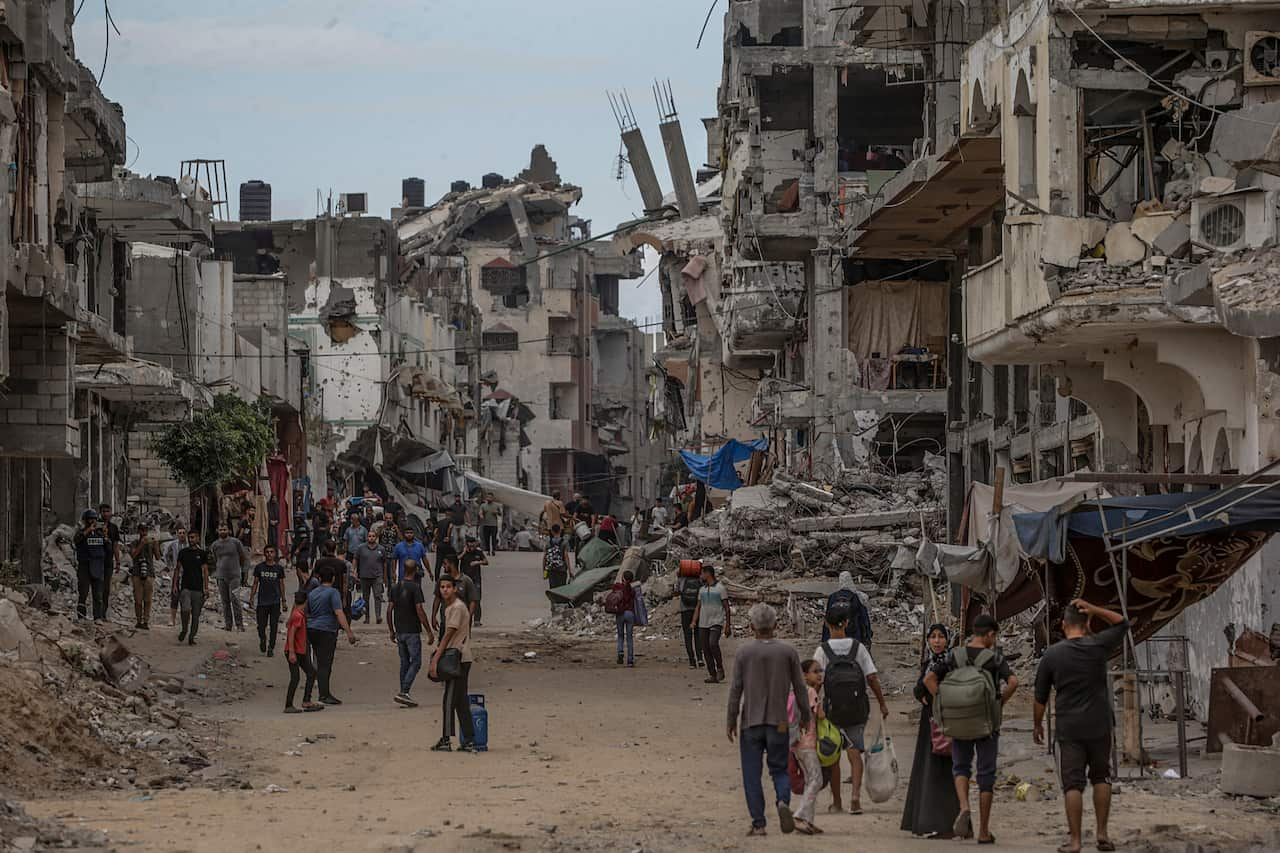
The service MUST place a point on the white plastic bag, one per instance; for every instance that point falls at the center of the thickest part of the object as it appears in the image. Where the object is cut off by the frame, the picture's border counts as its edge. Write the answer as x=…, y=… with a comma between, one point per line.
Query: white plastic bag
x=880, y=768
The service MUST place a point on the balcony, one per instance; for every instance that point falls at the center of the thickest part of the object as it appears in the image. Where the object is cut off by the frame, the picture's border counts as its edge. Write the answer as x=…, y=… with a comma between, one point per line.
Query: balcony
x=761, y=309
x=569, y=345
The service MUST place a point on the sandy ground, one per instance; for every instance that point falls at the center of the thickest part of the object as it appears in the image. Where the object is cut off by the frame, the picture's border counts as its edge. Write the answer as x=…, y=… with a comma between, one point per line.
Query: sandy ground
x=584, y=755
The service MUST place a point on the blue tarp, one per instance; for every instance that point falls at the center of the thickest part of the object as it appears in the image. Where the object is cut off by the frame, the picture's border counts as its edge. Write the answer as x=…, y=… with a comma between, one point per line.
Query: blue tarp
x=1043, y=534
x=717, y=469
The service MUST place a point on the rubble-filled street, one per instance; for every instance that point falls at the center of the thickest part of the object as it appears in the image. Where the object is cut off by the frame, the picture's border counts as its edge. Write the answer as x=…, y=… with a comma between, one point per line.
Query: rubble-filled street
x=741, y=425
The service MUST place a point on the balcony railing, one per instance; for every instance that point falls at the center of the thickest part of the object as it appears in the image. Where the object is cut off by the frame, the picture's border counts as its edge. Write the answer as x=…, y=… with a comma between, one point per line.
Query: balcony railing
x=569, y=345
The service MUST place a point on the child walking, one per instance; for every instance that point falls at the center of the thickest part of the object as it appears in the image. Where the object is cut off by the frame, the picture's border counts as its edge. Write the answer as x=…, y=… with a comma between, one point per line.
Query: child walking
x=295, y=650
x=806, y=749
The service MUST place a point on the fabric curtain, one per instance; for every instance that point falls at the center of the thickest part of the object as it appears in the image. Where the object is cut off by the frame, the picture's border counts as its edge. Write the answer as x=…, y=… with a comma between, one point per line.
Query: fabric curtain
x=885, y=316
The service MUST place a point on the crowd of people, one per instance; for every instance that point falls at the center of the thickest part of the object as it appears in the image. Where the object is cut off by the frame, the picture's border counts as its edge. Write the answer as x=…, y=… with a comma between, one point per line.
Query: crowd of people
x=791, y=713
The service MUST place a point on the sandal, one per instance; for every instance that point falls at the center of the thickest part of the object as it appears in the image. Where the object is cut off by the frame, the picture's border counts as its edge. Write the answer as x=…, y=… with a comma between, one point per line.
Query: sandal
x=312, y=706
x=804, y=827
x=1106, y=845
x=1067, y=848
x=990, y=839
x=855, y=807
x=756, y=830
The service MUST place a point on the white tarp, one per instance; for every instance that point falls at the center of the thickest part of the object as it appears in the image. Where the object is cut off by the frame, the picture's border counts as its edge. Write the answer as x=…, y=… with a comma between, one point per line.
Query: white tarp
x=520, y=500
x=428, y=464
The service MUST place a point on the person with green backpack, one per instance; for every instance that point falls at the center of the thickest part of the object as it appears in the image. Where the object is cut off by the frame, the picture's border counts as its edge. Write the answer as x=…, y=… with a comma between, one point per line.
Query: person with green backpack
x=967, y=704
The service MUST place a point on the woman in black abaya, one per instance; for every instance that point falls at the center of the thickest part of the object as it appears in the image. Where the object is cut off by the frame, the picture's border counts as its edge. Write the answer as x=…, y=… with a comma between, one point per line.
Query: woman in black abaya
x=931, y=806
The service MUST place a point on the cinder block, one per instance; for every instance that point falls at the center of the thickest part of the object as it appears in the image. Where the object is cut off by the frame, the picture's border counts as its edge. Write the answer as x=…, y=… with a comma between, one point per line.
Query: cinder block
x=51, y=417
x=1251, y=771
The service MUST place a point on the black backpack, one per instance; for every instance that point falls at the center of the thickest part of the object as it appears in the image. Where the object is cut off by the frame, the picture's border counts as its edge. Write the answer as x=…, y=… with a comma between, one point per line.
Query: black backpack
x=689, y=589
x=851, y=604
x=844, y=688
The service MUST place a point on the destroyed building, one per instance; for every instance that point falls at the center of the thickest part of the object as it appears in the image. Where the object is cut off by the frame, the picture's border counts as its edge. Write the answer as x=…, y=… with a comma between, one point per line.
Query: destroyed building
x=79, y=395
x=553, y=376
x=1099, y=179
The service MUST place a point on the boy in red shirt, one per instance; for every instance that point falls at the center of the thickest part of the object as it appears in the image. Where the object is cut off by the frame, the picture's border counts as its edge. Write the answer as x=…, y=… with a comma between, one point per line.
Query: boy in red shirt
x=295, y=650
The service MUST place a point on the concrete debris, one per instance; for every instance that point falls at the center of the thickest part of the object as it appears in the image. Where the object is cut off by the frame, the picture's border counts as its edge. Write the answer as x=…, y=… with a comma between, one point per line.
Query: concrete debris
x=1249, y=138
x=1246, y=292
x=1251, y=771
x=15, y=640
x=1123, y=248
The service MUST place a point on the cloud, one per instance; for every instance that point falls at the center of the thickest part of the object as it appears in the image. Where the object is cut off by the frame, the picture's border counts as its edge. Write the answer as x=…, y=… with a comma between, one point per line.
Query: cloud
x=219, y=45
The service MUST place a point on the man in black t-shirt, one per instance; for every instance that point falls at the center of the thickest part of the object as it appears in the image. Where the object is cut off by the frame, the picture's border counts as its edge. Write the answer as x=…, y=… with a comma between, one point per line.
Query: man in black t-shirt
x=1075, y=669
x=470, y=562
x=267, y=595
x=406, y=617
x=191, y=582
x=340, y=568
x=982, y=752
x=113, y=562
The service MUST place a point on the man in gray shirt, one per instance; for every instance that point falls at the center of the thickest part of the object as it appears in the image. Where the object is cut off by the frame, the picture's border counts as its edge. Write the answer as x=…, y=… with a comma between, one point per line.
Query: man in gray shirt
x=229, y=559
x=764, y=673
x=368, y=559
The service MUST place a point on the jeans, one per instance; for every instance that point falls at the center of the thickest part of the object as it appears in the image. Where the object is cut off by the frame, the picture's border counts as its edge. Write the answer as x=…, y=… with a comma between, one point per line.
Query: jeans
x=489, y=538
x=456, y=703
x=89, y=586
x=371, y=591
x=143, y=589
x=268, y=625
x=323, y=644
x=709, y=639
x=410, y=647
x=963, y=753
x=301, y=663
x=192, y=602
x=627, y=631
x=754, y=744
x=812, y=767
x=692, y=642
x=230, y=603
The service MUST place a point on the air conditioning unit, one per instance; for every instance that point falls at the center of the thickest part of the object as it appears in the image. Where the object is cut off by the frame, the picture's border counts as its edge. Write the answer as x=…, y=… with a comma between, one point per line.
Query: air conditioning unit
x=354, y=202
x=1242, y=219
x=1261, y=58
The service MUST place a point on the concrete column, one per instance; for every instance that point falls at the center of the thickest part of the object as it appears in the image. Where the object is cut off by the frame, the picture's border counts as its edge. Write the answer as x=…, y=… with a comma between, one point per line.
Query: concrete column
x=32, y=523
x=827, y=330
x=678, y=165
x=642, y=169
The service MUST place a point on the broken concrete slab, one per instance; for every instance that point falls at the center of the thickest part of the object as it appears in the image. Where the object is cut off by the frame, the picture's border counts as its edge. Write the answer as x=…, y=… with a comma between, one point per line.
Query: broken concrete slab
x=1124, y=249
x=15, y=638
x=1250, y=771
x=1213, y=185
x=856, y=521
x=1147, y=228
x=1066, y=238
x=1105, y=79
x=1175, y=240
x=1191, y=288
x=1247, y=296
x=1249, y=138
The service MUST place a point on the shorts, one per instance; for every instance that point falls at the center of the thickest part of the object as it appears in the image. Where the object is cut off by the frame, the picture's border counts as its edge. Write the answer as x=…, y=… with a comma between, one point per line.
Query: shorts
x=1084, y=759
x=854, y=737
x=965, y=753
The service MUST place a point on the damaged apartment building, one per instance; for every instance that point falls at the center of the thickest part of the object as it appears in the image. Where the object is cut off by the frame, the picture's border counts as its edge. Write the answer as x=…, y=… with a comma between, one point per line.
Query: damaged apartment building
x=554, y=378
x=74, y=392
x=774, y=326
x=373, y=385
x=1101, y=182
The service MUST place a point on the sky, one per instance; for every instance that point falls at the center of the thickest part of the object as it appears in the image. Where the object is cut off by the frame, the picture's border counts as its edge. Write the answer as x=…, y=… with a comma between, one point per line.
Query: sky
x=355, y=95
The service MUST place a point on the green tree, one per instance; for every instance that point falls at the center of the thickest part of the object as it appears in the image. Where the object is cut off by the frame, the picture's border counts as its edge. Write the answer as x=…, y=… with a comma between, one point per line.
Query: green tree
x=227, y=441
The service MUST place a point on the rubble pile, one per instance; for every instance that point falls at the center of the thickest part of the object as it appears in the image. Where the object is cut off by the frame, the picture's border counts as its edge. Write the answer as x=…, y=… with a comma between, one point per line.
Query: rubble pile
x=21, y=831
x=791, y=525
x=59, y=566
x=78, y=710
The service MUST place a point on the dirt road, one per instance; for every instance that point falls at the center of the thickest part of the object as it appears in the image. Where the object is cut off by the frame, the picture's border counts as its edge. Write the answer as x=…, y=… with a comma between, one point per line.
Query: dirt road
x=584, y=755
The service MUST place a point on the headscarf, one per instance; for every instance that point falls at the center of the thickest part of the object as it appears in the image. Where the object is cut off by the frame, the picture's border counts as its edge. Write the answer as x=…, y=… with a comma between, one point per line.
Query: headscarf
x=936, y=657
x=846, y=581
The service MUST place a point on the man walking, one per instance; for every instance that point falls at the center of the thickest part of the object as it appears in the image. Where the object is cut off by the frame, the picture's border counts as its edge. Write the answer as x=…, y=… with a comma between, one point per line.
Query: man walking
x=968, y=710
x=356, y=534
x=145, y=551
x=388, y=533
x=324, y=617
x=368, y=559
x=192, y=584
x=1075, y=669
x=848, y=674
x=267, y=595
x=170, y=556
x=490, y=521
x=230, y=557
x=470, y=562
x=764, y=673
x=458, y=522
x=456, y=634
x=409, y=548
x=93, y=565
x=406, y=617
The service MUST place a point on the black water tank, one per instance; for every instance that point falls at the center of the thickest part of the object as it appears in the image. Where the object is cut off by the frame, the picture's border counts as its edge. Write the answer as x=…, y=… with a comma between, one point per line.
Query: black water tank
x=255, y=201
x=492, y=181
x=460, y=187
x=414, y=192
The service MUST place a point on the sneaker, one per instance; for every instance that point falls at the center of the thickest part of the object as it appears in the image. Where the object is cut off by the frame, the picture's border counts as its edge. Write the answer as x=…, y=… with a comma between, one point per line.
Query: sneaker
x=289, y=709
x=619, y=658
x=137, y=626
x=262, y=646
x=443, y=745
x=403, y=699
x=191, y=642
x=146, y=626
x=271, y=653
x=182, y=635
x=312, y=706
x=786, y=820
x=331, y=700
x=379, y=619
x=468, y=747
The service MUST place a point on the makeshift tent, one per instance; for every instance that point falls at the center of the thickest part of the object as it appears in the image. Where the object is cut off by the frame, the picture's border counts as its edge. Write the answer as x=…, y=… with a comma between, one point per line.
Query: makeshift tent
x=520, y=500
x=717, y=469
x=597, y=563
